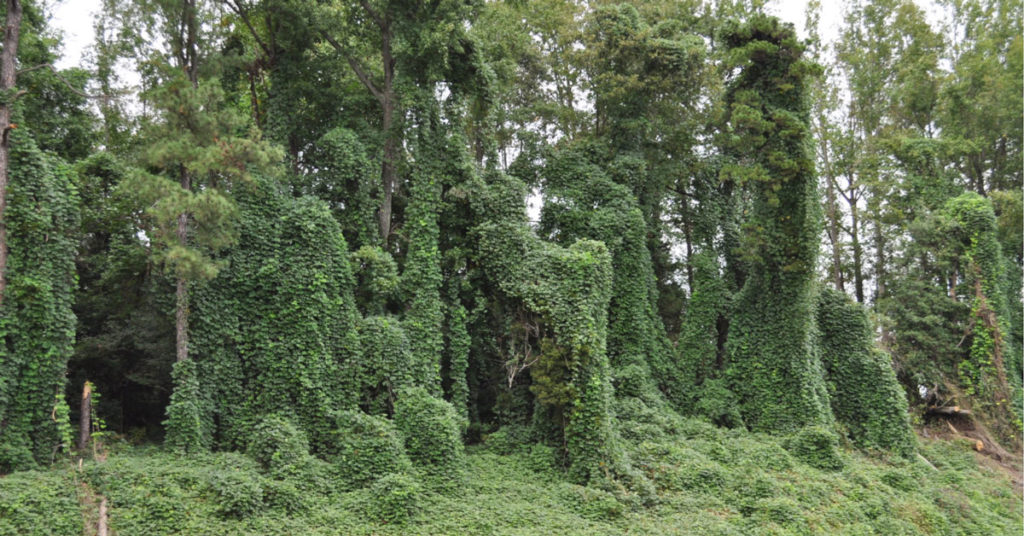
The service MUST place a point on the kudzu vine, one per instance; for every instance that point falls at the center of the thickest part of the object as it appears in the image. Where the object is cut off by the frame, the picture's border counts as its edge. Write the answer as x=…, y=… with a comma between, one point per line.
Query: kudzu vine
x=774, y=367
x=37, y=325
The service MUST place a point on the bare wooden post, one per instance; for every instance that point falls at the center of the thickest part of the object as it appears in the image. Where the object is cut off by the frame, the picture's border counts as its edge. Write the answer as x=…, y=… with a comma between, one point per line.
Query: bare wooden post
x=85, y=418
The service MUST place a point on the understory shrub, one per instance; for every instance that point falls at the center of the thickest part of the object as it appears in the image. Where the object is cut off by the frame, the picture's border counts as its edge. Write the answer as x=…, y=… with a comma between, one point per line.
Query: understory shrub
x=366, y=447
x=816, y=446
x=394, y=498
x=430, y=430
x=237, y=494
x=277, y=443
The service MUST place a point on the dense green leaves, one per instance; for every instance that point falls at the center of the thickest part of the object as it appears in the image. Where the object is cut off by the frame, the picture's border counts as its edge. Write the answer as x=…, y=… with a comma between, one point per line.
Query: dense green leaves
x=866, y=397
x=37, y=326
x=774, y=364
x=363, y=300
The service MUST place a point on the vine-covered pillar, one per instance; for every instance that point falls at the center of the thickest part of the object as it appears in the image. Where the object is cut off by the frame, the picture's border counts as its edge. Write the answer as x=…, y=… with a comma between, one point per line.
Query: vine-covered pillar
x=422, y=278
x=775, y=369
x=991, y=371
x=37, y=325
x=866, y=396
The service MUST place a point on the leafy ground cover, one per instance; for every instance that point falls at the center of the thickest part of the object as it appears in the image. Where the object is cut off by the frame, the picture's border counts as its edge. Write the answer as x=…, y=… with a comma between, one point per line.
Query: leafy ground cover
x=706, y=481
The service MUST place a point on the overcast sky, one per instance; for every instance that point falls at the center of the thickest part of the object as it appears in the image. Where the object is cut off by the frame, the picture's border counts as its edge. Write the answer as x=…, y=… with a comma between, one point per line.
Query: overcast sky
x=74, y=19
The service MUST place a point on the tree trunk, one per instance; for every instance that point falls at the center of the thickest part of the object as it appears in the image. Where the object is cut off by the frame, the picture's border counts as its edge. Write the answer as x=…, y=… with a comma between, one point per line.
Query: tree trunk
x=858, y=254
x=181, y=296
x=688, y=235
x=85, y=419
x=387, y=174
x=8, y=78
x=880, y=271
x=190, y=65
x=388, y=103
x=181, y=319
x=832, y=213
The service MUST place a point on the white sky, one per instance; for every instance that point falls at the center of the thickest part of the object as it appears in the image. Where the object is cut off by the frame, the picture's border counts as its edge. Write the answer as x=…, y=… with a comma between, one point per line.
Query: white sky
x=74, y=18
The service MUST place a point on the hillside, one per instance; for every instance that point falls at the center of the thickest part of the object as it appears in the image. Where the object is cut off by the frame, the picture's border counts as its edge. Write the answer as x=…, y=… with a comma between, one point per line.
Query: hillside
x=708, y=481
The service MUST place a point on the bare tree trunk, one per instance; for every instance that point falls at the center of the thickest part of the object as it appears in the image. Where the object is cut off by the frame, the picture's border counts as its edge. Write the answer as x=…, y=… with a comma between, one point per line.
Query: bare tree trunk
x=181, y=320
x=385, y=94
x=880, y=271
x=832, y=212
x=181, y=296
x=8, y=78
x=388, y=103
x=688, y=235
x=189, y=64
x=858, y=253
x=85, y=419
x=387, y=173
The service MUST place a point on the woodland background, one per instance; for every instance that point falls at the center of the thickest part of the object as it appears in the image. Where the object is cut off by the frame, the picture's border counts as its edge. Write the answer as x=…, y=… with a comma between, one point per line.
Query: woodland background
x=306, y=237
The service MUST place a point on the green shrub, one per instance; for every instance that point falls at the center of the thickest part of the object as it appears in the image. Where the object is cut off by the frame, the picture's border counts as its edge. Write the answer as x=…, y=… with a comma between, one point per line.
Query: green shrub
x=394, y=498
x=508, y=439
x=16, y=456
x=276, y=443
x=364, y=447
x=430, y=429
x=593, y=503
x=817, y=447
x=718, y=404
x=543, y=458
x=285, y=495
x=238, y=494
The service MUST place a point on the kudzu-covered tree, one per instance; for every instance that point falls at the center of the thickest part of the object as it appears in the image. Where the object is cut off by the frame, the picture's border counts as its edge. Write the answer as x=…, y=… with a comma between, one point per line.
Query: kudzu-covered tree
x=37, y=325
x=570, y=287
x=637, y=343
x=866, y=398
x=422, y=278
x=774, y=365
x=277, y=331
x=990, y=371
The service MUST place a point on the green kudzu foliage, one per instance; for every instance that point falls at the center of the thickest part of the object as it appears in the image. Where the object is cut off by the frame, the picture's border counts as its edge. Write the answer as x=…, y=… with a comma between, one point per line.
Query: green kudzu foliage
x=866, y=396
x=816, y=446
x=774, y=365
x=276, y=331
x=586, y=202
x=991, y=370
x=458, y=349
x=421, y=279
x=386, y=364
x=276, y=443
x=709, y=481
x=238, y=495
x=431, y=433
x=571, y=287
x=376, y=275
x=699, y=353
x=344, y=173
x=394, y=498
x=188, y=425
x=37, y=325
x=366, y=447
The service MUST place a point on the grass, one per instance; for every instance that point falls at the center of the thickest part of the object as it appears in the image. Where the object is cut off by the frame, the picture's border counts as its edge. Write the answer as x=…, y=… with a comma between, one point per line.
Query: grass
x=709, y=481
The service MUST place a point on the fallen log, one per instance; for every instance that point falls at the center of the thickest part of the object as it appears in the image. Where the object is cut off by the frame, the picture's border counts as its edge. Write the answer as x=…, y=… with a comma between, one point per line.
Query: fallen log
x=948, y=410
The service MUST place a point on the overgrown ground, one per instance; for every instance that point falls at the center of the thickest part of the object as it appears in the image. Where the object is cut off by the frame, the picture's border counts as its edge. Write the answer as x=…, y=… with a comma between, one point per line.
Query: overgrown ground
x=709, y=481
